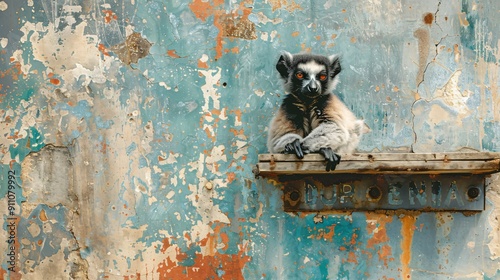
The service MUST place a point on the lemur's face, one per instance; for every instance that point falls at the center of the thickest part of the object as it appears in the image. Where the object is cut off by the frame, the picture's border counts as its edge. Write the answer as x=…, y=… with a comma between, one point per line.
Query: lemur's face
x=307, y=75
x=309, y=79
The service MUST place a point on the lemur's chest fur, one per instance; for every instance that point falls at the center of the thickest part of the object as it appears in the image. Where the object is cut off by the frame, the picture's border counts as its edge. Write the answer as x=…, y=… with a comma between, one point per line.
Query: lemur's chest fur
x=306, y=115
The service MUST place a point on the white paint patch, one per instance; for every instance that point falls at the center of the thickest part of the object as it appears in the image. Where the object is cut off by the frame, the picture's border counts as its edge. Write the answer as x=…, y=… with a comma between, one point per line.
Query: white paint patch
x=242, y=149
x=273, y=35
x=328, y=4
x=451, y=94
x=212, y=78
x=163, y=84
x=4, y=42
x=216, y=155
x=3, y=6
x=259, y=92
x=204, y=58
x=17, y=56
x=264, y=36
x=72, y=9
x=170, y=195
x=75, y=55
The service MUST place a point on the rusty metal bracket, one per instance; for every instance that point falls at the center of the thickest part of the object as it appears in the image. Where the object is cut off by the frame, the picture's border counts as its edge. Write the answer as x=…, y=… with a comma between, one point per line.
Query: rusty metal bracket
x=369, y=182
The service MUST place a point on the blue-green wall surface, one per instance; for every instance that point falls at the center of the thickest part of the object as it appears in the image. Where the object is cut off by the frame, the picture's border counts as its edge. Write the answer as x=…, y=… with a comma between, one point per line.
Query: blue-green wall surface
x=131, y=129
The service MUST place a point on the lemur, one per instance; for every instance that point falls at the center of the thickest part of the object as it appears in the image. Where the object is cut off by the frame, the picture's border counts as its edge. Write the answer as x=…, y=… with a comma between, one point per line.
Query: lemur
x=311, y=119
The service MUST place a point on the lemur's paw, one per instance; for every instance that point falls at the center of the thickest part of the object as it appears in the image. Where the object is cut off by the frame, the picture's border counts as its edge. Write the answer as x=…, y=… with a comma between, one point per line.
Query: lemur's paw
x=332, y=159
x=294, y=148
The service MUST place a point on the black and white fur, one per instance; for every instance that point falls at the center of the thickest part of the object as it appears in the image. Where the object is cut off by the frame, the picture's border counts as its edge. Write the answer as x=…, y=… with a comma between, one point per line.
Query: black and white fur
x=311, y=119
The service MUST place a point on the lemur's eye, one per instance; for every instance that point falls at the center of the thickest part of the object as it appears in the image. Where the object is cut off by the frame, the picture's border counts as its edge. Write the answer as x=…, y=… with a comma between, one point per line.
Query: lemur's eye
x=299, y=75
x=322, y=77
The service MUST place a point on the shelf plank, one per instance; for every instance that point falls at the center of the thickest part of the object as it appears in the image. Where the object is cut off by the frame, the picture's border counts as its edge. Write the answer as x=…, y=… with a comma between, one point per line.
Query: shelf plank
x=387, y=157
x=384, y=163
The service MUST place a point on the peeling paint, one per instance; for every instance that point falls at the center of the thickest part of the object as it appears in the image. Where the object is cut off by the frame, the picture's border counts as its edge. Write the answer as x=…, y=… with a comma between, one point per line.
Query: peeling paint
x=133, y=129
x=134, y=48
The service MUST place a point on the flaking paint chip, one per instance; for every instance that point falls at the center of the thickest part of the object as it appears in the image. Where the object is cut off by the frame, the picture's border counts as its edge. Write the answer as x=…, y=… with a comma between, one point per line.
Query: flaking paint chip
x=134, y=48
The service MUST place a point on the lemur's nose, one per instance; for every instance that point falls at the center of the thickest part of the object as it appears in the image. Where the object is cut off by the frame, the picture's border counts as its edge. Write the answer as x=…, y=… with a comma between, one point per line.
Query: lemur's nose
x=312, y=87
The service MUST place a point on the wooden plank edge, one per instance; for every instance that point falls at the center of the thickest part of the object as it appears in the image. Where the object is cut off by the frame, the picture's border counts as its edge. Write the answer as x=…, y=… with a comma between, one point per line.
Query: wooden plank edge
x=455, y=156
x=400, y=167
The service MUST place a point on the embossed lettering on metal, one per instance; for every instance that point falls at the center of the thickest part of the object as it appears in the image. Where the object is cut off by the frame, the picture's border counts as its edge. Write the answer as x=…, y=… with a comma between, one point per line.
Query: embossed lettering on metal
x=450, y=192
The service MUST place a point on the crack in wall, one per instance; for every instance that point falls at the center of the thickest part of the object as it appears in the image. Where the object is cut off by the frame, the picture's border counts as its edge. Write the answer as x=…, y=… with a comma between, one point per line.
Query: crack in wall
x=48, y=179
x=423, y=36
x=79, y=267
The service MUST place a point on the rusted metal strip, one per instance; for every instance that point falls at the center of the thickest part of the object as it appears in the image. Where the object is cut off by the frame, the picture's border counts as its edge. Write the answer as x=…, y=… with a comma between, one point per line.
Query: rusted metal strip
x=384, y=192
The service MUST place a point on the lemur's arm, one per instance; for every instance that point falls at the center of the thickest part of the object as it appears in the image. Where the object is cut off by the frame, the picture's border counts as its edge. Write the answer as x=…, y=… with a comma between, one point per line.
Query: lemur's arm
x=283, y=136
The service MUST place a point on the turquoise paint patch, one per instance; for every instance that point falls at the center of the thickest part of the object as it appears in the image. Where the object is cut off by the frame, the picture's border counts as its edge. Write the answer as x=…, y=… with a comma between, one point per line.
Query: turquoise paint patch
x=27, y=94
x=132, y=147
x=80, y=110
x=32, y=143
x=45, y=244
x=103, y=124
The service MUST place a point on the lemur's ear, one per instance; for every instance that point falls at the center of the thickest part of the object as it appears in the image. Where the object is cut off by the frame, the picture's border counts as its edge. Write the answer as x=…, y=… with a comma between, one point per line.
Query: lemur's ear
x=284, y=64
x=334, y=65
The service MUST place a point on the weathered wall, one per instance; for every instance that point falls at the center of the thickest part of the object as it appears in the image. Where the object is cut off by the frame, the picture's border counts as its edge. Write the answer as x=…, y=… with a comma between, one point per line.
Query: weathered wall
x=133, y=126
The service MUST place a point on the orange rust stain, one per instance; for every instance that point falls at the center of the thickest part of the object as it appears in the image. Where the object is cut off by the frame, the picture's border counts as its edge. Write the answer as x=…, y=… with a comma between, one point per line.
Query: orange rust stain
x=377, y=229
x=109, y=15
x=165, y=245
x=202, y=64
x=295, y=33
x=353, y=40
x=428, y=18
x=103, y=49
x=14, y=72
x=233, y=24
x=43, y=216
x=237, y=113
x=203, y=268
x=351, y=258
x=202, y=9
x=237, y=132
x=15, y=136
x=325, y=234
x=231, y=176
x=173, y=54
x=289, y=5
x=407, y=230
x=104, y=147
x=209, y=134
x=384, y=254
x=353, y=239
x=55, y=81
x=235, y=50
x=395, y=89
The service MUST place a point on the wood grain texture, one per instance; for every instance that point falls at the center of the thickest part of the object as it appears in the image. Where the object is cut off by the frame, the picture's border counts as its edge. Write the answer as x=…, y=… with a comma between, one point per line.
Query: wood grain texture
x=373, y=163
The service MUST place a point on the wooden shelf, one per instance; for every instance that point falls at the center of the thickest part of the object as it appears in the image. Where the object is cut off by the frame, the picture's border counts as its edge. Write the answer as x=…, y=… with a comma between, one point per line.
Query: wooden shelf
x=383, y=163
